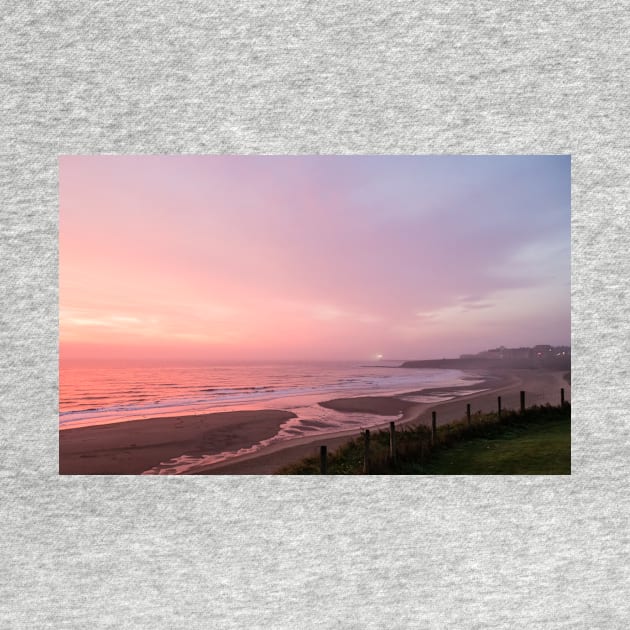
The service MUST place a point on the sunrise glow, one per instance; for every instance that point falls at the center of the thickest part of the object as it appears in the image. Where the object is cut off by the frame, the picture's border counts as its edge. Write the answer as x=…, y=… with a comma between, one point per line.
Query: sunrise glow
x=220, y=258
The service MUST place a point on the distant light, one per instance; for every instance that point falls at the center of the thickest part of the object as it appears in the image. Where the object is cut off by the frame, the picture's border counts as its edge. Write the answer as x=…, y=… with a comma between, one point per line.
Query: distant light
x=379, y=357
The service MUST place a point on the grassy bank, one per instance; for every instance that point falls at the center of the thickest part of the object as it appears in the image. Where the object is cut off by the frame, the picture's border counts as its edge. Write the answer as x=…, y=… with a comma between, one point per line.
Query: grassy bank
x=537, y=441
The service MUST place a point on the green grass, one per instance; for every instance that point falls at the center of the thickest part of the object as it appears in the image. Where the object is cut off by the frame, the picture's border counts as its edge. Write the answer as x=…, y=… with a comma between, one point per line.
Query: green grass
x=539, y=449
x=537, y=441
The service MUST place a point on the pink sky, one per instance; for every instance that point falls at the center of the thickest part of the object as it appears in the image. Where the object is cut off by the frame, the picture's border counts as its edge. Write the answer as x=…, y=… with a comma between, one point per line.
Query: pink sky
x=191, y=258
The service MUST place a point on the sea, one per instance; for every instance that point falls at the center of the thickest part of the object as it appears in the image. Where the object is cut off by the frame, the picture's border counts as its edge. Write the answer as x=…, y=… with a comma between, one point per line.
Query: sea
x=90, y=395
x=99, y=395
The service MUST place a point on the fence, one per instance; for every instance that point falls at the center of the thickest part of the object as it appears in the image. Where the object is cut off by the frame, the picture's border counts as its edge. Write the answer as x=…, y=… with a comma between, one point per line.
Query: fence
x=393, y=454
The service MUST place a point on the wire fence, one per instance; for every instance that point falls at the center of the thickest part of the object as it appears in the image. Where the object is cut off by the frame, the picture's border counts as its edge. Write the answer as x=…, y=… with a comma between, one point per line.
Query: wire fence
x=443, y=431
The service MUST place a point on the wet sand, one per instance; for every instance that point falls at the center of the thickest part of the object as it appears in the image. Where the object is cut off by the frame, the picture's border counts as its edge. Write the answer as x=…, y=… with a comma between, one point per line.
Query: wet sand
x=540, y=387
x=128, y=448
x=136, y=446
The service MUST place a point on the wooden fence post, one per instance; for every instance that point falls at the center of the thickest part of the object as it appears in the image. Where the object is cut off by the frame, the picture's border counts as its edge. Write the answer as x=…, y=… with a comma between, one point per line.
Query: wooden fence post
x=468, y=413
x=522, y=402
x=433, y=428
x=562, y=396
x=392, y=442
x=499, y=406
x=366, y=456
x=323, y=460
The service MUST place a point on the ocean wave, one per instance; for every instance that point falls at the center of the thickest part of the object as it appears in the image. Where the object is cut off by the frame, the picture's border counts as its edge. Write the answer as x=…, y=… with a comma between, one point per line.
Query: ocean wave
x=229, y=390
x=279, y=390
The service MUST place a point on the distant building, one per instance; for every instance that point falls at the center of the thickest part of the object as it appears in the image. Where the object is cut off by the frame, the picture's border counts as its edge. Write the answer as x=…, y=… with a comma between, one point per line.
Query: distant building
x=495, y=353
x=540, y=352
x=517, y=353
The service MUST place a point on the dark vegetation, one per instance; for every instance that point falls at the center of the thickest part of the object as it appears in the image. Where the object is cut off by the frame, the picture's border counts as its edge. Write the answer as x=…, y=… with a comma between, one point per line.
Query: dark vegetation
x=474, y=363
x=536, y=441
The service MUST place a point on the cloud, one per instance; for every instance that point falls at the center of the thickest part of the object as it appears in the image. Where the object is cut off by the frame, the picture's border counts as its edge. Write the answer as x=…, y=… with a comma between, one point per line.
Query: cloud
x=314, y=246
x=90, y=321
x=328, y=313
x=126, y=319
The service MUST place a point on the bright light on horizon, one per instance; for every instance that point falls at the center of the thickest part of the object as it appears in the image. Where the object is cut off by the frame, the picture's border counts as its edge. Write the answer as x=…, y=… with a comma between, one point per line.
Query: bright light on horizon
x=228, y=258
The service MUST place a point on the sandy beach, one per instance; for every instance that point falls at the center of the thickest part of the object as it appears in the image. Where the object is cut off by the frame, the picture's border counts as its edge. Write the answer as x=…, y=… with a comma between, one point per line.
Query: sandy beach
x=127, y=448
x=540, y=386
x=136, y=446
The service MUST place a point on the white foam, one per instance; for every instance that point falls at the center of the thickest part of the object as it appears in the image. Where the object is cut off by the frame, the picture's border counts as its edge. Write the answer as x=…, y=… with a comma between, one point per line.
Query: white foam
x=330, y=421
x=393, y=381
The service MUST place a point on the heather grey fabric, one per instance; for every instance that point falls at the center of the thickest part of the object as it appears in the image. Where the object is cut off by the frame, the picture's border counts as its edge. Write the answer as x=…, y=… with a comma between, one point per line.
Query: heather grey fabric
x=301, y=77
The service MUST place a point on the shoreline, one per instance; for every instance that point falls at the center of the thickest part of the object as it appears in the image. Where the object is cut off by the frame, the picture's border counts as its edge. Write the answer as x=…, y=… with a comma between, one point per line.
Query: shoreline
x=74, y=418
x=137, y=446
x=541, y=387
x=132, y=447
